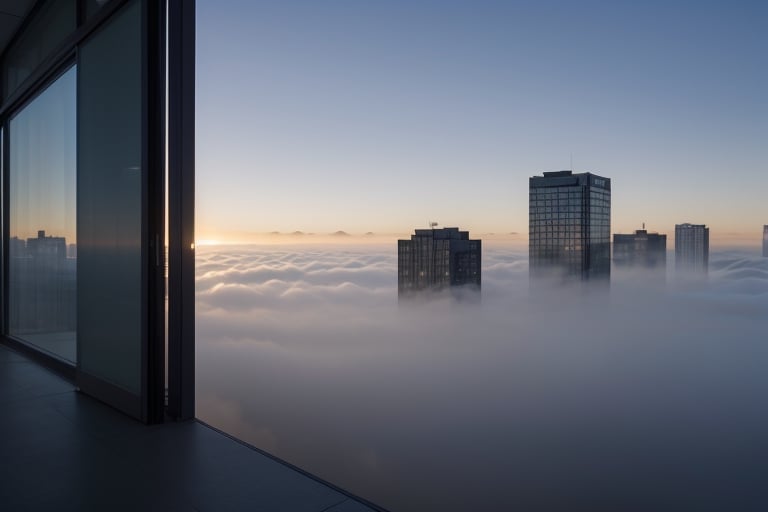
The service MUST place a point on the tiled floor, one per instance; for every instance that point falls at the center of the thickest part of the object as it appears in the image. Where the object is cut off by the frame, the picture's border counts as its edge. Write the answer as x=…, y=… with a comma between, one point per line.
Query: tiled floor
x=61, y=450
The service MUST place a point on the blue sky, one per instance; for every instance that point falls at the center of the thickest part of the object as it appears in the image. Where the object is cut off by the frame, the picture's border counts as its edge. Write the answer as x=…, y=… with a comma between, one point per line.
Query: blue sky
x=380, y=116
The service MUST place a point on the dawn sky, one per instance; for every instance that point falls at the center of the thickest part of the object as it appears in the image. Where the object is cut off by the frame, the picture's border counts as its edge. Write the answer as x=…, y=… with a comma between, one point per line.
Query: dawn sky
x=381, y=116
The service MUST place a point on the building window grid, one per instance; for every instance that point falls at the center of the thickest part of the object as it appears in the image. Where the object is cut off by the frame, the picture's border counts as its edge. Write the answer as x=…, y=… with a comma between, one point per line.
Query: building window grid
x=555, y=230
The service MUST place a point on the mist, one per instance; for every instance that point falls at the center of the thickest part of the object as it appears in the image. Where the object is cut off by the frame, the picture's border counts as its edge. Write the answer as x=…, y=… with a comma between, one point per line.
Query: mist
x=648, y=395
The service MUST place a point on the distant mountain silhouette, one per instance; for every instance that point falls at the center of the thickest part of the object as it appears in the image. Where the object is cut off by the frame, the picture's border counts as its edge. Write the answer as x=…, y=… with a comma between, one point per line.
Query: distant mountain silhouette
x=340, y=233
x=298, y=233
x=274, y=232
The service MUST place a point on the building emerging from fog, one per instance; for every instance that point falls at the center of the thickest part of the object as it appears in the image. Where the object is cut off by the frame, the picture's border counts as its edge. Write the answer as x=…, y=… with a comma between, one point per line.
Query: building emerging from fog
x=691, y=247
x=641, y=250
x=435, y=259
x=42, y=286
x=765, y=241
x=569, y=225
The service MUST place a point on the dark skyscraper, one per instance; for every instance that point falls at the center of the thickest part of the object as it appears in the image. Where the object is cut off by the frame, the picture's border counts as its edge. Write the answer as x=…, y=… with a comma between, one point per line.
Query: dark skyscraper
x=641, y=250
x=765, y=241
x=435, y=259
x=691, y=247
x=569, y=225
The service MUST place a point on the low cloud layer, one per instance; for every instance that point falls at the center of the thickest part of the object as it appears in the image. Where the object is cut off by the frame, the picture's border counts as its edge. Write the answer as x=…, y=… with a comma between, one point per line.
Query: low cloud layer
x=534, y=400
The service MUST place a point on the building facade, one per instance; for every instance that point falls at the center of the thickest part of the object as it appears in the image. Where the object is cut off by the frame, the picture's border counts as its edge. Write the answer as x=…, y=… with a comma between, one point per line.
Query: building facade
x=765, y=241
x=640, y=250
x=691, y=247
x=569, y=226
x=436, y=259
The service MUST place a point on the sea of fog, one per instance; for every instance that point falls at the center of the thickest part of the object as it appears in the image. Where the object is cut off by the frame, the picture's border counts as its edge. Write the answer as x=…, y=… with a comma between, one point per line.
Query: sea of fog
x=650, y=396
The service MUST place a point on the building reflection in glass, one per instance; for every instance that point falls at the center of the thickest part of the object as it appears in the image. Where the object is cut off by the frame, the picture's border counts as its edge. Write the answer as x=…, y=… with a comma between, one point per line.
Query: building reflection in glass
x=43, y=284
x=42, y=274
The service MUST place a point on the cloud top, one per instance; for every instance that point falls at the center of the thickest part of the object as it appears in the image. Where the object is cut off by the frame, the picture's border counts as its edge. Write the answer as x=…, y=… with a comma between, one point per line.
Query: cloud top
x=308, y=352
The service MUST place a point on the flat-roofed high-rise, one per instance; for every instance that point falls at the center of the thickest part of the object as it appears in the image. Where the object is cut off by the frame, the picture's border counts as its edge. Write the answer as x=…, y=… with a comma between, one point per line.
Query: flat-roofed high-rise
x=569, y=225
x=435, y=259
x=640, y=250
x=691, y=247
x=765, y=241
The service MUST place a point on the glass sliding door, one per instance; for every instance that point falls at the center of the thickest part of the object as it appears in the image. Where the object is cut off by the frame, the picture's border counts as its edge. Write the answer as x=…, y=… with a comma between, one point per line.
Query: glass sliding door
x=111, y=312
x=84, y=200
x=42, y=246
x=120, y=217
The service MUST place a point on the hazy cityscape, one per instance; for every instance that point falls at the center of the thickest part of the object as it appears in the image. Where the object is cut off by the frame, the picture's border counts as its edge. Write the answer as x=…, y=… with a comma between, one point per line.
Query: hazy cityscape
x=477, y=377
x=447, y=256
x=583, y=327
x=413, y=405
x=452, y=358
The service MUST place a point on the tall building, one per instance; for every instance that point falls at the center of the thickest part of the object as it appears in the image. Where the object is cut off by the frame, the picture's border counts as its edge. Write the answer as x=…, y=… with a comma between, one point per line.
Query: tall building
x=435, y=259
x=691, y=247
x=765, y=241
x=640, y=250
x=569, y=225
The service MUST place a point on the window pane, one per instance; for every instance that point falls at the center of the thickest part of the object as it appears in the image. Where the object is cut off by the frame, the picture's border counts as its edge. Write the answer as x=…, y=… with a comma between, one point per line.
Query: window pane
x=42, y=245
x=110, y=202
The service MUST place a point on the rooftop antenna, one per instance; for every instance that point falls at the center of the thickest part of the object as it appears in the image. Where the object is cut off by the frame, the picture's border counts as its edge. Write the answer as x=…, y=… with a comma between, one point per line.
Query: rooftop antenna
x=643, y=225
x=571, y=160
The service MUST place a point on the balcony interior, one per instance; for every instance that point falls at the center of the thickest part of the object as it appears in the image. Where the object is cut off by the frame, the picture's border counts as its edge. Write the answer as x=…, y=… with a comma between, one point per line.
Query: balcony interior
x=63, y=450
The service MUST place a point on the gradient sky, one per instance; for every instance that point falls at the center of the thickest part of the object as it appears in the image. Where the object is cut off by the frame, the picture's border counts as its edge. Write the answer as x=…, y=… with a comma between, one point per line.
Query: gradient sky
x=381, y=116
x=43, y=163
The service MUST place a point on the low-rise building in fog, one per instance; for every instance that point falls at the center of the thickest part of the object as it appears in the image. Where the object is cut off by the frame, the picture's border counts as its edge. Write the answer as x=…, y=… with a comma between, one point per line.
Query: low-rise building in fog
x=435, y=259
x=640, y=250
x=691, y=247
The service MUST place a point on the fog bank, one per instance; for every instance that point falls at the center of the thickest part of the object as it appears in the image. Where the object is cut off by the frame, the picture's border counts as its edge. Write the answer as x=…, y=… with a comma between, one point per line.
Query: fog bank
x=649, y=396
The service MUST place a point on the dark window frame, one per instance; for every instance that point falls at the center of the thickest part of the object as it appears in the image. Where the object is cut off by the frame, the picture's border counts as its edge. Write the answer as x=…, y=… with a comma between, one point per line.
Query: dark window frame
x=171, y=23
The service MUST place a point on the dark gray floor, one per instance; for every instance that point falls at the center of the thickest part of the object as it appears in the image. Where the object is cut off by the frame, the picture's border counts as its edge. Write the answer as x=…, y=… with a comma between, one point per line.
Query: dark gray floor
x=60, y=450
